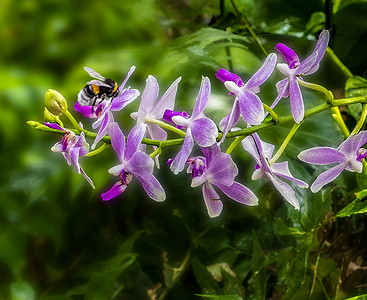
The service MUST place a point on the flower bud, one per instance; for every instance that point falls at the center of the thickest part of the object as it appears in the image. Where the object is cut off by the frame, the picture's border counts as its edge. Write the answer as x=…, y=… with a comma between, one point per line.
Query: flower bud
x=55, y=102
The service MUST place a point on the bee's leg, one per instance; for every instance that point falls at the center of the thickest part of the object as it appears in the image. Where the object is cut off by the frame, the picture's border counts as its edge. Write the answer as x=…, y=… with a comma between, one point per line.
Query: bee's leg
x=94, y=103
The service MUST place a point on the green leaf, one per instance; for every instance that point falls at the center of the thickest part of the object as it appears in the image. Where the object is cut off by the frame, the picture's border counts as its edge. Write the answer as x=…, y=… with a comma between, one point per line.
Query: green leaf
x=205, y=280
x=282, y=229
x=22, y=290
x=358, y=206
x=316, y=23
x=221, y=297
x=355, y=86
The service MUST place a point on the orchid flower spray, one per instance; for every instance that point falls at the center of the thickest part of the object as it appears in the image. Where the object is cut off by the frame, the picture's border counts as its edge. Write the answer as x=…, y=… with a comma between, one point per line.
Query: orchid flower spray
x=198, y=127
x=246, y=103
x=294, y=69
x=71, y=147
x=348, y=156
x=103, y=112
x=218, y=169
x=262, y=153
x=133, y=162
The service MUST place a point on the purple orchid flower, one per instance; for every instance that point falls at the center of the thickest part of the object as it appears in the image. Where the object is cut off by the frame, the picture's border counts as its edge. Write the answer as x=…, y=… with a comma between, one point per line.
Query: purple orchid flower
x=149, y=110
x=132, y=162
x=262, y=153
x=349, y=156
x=218, y=169
x=198, y=127
x=103, y=113
x=247, y=103
x=71, y=147
x=295, y=70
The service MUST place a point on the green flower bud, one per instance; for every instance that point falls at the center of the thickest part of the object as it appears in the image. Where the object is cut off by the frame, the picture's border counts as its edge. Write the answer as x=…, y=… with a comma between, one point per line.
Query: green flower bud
x=49, y=117
x=55, y=103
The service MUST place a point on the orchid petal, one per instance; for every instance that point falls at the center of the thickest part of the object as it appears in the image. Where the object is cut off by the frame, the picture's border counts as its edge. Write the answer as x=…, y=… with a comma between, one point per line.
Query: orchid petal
x=141, y=164
x=211, y=153
x=113, y=192
x=87, y=178
x=263, y=73
x=322, y=156
x=124, y=99
x=312, y=61
x=148, y=97
x=251, y=108
x=289, y=55
x=134, y=139
x=117, y=140
x=228, y=122
x=327, y=177
x=166, y=102
x=239, y=193
x=104, y=129
x=224, y=76
x=74, y=156
x=204, y=132
x=54, y=126
x=82, y=145
x=132, y=69
x=85, y=110
x=202, y=98
x=116, y=170
x=156, y=133
x=297, y=106
x=285, y=190
x=178, y=164
x=353, y=143
x=152, y=187
x=282, y=170
x=249, y=145
x=222, y=170
x=212, y=202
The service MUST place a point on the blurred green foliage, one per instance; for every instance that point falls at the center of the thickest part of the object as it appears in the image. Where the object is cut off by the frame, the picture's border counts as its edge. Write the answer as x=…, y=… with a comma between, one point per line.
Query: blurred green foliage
x=58, y=240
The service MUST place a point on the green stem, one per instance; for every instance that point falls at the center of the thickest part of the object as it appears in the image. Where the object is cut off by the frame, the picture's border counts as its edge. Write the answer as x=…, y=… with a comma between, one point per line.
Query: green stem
x=165, y=125
x=285, y=143
x=248, y=27
x=339, y=63
x=234, y=144
x=156, y=152
x=339, y=120
x=329, y=96
x=99, y=150
x=73, y=121
x=361, y=119
x=272, y=113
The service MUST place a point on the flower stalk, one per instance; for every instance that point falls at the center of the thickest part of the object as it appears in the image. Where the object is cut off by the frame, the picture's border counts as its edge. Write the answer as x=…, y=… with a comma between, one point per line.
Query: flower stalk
x=361, y=120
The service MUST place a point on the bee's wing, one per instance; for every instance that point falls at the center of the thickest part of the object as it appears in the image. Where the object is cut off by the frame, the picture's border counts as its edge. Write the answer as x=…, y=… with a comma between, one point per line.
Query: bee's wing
x=97, y=83
x=94, y=74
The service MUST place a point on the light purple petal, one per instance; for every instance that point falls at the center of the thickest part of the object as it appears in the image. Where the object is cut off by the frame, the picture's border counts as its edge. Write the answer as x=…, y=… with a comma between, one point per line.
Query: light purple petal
x=178, y=164
x=289, y=55
x=285, y=190
x=166, y=102
x=204, y=132
x=156, y=133
x=113, y=192
x=82, y=145
x=212, y=202
x=74, y=156
x=124, y=99
x=282, y=170
x=117, y=140
x=85, y=110
x=103, y=130
x=140, y=164
x=249, y=145
x=311, y=62
x=283, y=92
x=132, y=69
x=239, y=193
x=224, y=76
x=297, y=106
x=327, y=177
x=263, y=73
x=228, y=122
x=116, y=170
x=148, y=97
x=153, y=188
x=202, y=98
x=87, y=177
x=265, y=151
x=322, y=156
x=221, y=170
x=211, y=153
x=251, y=108
x=353, y=143
x=134, y=139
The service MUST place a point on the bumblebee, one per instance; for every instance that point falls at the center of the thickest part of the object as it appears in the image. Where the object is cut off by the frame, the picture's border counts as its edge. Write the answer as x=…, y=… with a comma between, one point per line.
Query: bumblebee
x=97, y=91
